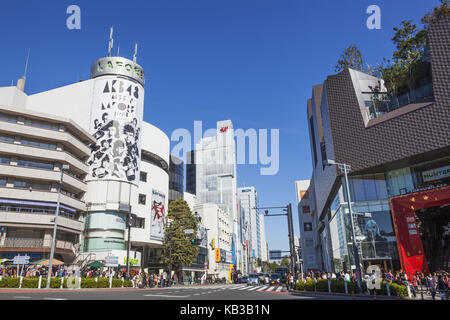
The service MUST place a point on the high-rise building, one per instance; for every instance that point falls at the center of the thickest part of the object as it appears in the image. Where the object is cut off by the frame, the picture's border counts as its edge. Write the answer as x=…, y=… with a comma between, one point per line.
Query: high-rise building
x=176, y=178
x=215, y=176
x=253, y=226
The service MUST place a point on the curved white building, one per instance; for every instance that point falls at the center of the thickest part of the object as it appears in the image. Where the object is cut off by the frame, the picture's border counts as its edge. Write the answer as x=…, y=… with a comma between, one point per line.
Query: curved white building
x=128, y=163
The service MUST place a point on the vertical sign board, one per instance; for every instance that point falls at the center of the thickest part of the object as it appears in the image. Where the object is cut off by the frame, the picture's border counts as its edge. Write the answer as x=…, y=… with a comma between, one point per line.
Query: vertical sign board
x=158, y=215
x=116, y=120
x=217, y=255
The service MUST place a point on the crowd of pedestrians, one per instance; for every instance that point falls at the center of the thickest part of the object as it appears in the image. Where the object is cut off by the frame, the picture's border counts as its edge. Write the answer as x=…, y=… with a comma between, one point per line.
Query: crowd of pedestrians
x=430, y=284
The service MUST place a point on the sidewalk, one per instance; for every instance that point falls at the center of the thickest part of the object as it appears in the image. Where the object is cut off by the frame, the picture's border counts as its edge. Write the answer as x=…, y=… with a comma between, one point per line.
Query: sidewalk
x=358, y=295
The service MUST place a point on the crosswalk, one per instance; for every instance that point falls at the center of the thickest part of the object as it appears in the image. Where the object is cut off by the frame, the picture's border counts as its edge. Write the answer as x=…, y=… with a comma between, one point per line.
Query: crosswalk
x=240, y=287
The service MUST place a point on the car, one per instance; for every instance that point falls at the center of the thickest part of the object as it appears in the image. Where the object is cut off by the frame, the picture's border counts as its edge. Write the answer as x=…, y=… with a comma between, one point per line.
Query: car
x=253, y=279
x=275, y=279
x=244, y=279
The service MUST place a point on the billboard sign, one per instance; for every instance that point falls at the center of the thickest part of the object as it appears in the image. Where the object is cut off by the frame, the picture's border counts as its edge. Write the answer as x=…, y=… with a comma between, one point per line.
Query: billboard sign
x=158, y=215
x=116, y=120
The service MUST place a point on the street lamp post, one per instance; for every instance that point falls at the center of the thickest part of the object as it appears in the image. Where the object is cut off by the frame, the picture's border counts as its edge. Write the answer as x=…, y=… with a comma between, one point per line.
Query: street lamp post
x=344, y=167
x=55, y=226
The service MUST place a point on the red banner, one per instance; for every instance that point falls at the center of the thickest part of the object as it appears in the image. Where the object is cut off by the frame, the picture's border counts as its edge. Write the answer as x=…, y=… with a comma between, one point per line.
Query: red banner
x=409, y=243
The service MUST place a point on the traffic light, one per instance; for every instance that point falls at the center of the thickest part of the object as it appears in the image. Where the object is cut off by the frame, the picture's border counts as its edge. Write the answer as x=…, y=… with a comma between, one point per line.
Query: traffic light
x=195, y=241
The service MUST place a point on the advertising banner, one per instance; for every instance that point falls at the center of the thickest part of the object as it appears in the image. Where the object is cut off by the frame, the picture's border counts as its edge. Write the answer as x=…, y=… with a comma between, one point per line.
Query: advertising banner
x=116, y=119
x=217, y=255
x=201, y=234
x=158, y=215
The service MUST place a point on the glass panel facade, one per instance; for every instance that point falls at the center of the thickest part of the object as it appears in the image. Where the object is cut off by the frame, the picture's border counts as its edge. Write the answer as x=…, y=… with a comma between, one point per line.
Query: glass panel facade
x=39, y=144
x=35, y=164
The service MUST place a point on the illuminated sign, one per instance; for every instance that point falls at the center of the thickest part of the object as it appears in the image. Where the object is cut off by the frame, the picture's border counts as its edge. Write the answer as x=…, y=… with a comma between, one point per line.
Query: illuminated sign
x=118, y=66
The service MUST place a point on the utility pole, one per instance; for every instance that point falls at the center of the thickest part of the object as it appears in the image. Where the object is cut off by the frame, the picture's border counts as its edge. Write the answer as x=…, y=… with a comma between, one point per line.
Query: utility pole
x=129, y=244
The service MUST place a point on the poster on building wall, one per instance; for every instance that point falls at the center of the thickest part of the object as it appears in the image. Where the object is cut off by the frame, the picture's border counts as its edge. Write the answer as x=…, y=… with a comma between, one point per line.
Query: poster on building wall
x=116, y=119
x=158, y=215
x=201, y=234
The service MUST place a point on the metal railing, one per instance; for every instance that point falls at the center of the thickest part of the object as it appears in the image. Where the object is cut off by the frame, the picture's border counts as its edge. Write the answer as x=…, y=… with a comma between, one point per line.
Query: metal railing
x=16, y=242
x=61, y=213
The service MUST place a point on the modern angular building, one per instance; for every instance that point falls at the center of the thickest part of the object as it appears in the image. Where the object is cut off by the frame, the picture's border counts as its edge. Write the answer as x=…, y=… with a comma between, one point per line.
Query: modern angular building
x=399, y=153
x=176, y=178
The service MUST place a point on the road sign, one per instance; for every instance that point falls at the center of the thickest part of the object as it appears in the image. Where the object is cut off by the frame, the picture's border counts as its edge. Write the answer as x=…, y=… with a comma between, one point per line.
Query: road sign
x=275, y=255
x=112, y=261
x=189, y=231
x=21, y=260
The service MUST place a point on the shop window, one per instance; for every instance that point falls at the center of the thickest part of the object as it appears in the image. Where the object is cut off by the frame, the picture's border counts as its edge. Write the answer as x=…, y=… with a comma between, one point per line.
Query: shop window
x=143, y=176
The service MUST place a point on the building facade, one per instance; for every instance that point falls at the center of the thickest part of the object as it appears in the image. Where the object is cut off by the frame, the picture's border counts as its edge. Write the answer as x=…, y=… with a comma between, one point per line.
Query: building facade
x=399, y=153
x=127, y=179
x=33, y=148
x=176, y=178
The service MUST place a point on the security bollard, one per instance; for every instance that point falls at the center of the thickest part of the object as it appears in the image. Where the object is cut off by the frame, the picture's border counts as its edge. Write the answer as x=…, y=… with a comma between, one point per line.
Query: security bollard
x=39, y=282
x=329, y=285
x=388, y=289
x=62, y=283
x=20, y=283
x=346, y=288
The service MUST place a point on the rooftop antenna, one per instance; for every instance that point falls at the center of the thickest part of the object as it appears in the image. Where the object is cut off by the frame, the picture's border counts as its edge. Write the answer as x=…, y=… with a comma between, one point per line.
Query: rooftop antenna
x=111, y=41
x=135, y=52
x=26, y=65
x=118, y=48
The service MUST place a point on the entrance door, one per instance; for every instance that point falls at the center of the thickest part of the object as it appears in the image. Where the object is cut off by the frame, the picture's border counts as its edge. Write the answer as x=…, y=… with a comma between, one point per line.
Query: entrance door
x=408, y=226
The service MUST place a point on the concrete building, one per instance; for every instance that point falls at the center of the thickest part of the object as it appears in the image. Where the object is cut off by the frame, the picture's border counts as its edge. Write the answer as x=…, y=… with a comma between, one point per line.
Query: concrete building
x=398, y=150
x=215, y=177
x=308, y=226
x=128, y=166
x=219, y=238
x=176, y=178
x=33, y=148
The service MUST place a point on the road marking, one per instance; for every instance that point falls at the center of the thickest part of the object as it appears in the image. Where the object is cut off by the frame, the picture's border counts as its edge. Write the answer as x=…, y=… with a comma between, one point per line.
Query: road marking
x=270, y=288
x=196, y=294
x=254, y=288
x=54, y=299
x=263, y=288
x=279, y=289
x=244, y=288
x=165, y=295
x=16, y=297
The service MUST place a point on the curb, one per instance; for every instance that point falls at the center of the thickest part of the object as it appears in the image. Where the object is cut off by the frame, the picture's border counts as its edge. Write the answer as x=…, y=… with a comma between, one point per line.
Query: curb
x=349, y=295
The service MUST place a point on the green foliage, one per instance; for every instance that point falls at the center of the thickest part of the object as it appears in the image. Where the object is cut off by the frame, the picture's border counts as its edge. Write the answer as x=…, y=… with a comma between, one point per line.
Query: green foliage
x=88, y=283
x=8, y=282
x=338, y=286
x=437, y=14
x=103, y=283
x=128, y=284
x=284, y=262
x=30, y=283
x=183, y=251
x=350, y=58
x=116, y=283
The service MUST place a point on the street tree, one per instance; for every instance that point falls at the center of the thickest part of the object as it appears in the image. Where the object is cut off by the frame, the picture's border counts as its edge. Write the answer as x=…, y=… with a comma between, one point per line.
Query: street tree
x=178, y=244
x=285, y=262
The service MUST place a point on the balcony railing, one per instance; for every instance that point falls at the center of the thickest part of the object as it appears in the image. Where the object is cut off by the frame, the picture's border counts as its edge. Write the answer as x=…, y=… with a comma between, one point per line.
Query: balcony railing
x=61, y=213
x=383, y=104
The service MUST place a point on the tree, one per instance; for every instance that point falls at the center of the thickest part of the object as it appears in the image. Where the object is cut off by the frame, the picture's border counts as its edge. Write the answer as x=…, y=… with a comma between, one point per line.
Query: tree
x=350, y=58
x=183, y=251
x=285, y=262
x=437, y=14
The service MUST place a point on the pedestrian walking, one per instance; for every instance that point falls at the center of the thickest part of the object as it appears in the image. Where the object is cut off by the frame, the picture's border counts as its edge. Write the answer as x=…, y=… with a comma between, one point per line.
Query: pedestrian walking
x=431, y=285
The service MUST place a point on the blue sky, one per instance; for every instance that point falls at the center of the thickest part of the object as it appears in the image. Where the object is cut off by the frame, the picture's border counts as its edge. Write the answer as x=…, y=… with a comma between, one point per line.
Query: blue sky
x=251, y=61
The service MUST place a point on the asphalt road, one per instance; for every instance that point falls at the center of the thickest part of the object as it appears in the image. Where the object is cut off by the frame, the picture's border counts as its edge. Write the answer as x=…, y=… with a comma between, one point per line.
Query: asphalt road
x=205, y=292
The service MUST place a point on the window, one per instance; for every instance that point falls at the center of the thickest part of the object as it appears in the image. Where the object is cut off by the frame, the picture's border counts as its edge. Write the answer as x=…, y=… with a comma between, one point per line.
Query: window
x=143, y=176
x=35, y=164
x=38, y=144
x=306, y=209
x=137, y=222
x=32, y=185
x=4, y=160
x=42, y=124
x=5, y=138
x=142, y=198
x=2, y=182
x=7, y=117
x=307, y=226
